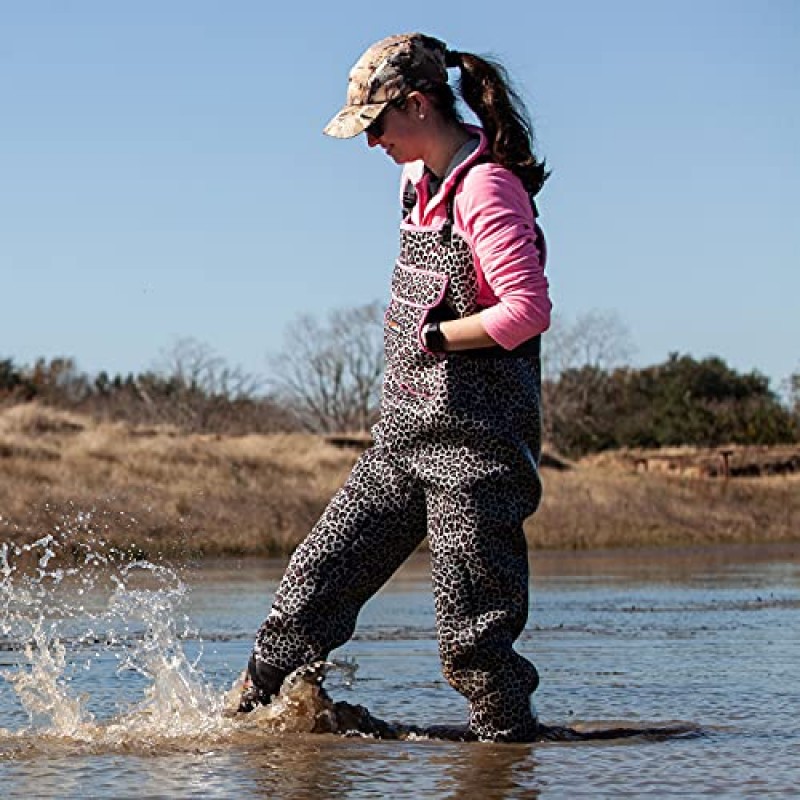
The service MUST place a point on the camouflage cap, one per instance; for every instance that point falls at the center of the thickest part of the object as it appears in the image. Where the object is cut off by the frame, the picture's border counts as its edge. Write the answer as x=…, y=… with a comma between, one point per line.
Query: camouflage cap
x=389, y=69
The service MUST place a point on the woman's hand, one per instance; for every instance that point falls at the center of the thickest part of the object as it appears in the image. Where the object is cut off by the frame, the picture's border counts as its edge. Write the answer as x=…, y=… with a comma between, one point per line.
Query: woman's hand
x=466, y=333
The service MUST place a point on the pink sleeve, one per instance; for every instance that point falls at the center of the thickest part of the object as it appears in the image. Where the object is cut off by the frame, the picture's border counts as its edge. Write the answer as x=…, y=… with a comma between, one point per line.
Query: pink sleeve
x=495, y=214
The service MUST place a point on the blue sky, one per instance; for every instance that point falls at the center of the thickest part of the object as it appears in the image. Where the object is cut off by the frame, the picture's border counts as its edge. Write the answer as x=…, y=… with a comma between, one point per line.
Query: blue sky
x=163, y=172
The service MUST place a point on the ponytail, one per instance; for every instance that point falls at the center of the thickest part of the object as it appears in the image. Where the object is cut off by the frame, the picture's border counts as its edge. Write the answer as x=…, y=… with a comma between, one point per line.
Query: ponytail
x=485, y=87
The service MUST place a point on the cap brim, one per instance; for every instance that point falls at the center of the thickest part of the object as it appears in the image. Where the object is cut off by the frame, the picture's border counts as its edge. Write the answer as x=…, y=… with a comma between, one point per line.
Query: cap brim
x=352, y=120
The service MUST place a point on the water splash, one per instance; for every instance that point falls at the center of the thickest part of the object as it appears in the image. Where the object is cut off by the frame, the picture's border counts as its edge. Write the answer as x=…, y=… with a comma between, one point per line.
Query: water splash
x=64, y=620
x=28, y=624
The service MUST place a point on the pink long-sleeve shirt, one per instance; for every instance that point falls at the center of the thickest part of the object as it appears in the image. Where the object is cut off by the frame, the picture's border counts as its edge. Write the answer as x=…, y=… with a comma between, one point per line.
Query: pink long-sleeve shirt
x=493, y=213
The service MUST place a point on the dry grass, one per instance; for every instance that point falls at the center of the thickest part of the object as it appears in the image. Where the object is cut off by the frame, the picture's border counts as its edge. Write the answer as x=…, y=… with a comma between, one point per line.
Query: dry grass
x=590, y=507
x=156, y=491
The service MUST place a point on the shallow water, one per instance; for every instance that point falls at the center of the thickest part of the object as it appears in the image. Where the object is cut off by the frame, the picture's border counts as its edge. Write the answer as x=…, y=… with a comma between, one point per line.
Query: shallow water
x=121, y=692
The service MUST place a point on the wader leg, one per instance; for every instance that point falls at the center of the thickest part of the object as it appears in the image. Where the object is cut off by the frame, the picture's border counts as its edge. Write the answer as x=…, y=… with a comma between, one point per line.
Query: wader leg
x=367, y=531
x=480, y=580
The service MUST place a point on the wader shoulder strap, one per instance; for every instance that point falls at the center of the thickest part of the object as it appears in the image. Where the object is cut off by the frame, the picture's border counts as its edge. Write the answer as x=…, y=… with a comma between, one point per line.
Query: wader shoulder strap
x=409, y=198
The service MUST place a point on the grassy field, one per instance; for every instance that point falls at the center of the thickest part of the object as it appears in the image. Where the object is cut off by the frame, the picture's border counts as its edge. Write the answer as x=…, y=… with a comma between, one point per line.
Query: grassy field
x=155, y=491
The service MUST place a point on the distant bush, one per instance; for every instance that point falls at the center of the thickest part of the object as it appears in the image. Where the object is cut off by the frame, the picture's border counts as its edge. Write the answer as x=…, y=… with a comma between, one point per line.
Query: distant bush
x=680, y=402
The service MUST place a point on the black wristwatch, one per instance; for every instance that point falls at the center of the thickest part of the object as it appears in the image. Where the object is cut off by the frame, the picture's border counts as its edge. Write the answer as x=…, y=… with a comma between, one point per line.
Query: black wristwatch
x=432, y=337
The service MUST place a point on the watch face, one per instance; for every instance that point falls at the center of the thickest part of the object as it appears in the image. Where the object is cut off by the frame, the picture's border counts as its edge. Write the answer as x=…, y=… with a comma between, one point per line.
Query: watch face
x=432, y=336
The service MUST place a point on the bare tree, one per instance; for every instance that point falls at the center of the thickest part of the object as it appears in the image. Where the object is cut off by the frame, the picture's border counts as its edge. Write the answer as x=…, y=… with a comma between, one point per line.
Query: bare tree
x=576, y=360
x=330, y=372
x=790, y=390
x=195, y=367
x=598, y=339
x=195, y=388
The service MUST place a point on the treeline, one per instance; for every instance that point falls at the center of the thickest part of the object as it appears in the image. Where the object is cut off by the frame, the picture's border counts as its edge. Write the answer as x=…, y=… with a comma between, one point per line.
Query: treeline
x=198, y=393
x=680, y=402
x=328, y=380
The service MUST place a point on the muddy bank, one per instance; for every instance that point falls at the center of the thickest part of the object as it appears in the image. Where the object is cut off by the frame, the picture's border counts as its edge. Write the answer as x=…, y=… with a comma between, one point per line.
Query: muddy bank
x=157, y=491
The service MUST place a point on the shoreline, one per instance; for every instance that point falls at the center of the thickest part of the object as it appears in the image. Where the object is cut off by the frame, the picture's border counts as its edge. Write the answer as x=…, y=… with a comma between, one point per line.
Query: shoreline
x=158, y=492
x=612, y=562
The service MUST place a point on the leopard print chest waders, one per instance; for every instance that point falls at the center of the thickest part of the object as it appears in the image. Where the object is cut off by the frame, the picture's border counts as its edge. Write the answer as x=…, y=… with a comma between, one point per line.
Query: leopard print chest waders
x=455, y=458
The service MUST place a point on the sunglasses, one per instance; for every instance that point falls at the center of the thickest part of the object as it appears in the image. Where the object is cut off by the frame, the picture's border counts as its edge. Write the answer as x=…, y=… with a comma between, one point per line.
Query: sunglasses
x=377, y=127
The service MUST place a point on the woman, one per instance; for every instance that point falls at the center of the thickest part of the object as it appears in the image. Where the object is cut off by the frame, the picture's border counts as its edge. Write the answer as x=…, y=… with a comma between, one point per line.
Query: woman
x=455, y=454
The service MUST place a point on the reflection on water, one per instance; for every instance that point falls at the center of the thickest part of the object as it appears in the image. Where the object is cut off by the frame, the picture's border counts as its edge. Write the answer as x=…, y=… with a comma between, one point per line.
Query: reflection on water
x=116, y=674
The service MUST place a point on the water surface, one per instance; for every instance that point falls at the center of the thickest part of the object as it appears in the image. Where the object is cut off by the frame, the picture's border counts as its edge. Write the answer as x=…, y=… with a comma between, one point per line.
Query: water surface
x=120, y=692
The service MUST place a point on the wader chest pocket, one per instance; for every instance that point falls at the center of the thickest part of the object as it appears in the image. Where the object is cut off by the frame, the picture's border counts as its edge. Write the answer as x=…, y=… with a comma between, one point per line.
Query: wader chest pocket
x=409, y=367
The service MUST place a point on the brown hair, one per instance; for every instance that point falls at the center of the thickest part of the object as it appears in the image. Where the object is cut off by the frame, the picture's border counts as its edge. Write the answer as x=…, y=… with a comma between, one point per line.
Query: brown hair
x=486, y=89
